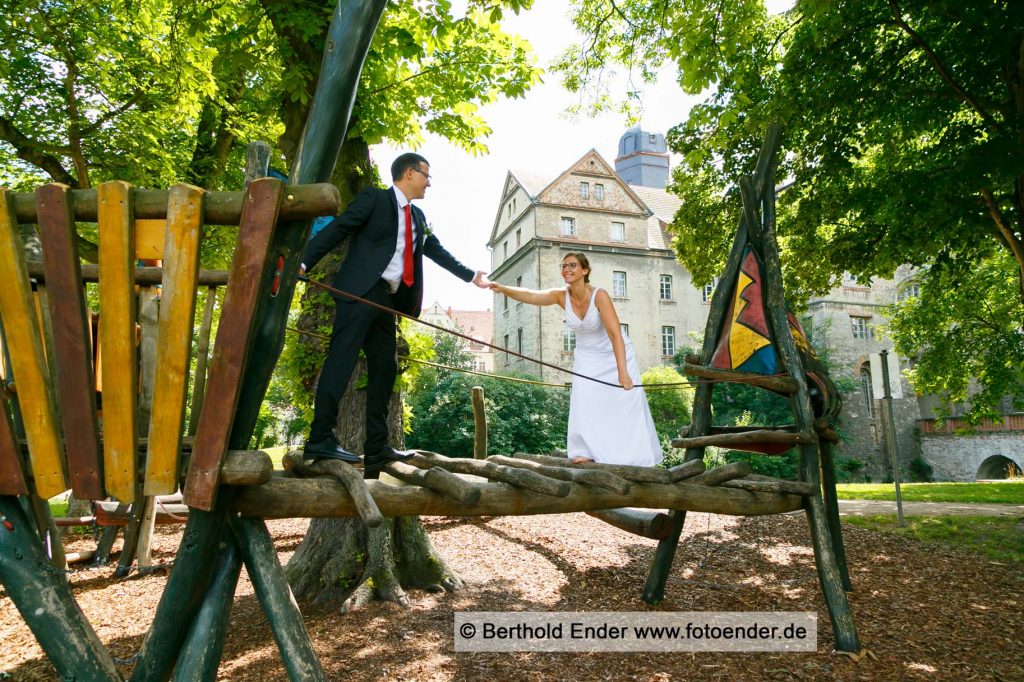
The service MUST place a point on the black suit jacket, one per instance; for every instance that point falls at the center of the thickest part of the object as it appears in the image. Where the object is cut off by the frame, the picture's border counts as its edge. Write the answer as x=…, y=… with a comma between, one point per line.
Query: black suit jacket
x=371, y=222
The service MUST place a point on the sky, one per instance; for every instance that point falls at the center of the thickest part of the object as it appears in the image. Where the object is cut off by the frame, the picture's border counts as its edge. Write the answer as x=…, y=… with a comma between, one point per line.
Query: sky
x=532, y=134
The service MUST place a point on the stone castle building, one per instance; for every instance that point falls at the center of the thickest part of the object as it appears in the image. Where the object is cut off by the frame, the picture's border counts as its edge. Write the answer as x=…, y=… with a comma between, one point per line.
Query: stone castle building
x=618, y=218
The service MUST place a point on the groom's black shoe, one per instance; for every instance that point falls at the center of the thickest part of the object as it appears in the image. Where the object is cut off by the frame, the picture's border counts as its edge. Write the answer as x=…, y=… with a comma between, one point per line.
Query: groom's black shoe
x=329, y=448
x=375, y=463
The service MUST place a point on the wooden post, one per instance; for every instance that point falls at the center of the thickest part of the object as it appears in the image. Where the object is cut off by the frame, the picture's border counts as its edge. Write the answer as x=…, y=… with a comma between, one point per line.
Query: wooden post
x=201, y=654
x=276, y=598
x=479, y=424
x=890, y=436
x=824, y=550
x=828, y=487
x=144, y=549
x=45, y=601
x=202, y=358
x=185, y=591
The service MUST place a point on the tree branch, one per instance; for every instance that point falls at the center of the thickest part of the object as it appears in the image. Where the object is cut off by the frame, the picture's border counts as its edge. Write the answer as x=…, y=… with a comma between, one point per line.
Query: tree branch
x=1004, y=232
x=30, y=151
x=937, y=63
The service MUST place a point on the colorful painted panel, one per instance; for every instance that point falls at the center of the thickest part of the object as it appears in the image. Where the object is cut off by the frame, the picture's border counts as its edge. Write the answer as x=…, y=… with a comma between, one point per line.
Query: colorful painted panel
x=746, y=344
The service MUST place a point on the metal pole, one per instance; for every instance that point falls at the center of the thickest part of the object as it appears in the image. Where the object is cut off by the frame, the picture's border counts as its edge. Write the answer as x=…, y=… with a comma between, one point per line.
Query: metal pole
x=890, y=432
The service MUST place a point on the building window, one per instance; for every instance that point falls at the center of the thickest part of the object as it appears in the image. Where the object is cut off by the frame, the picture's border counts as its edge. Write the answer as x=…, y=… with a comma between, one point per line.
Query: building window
x=618, y=232
x=504, y=305
x=709, y=290
x=850, y=280
x=865, y=391
x=510, y=210
x=668, y=341
x=519, y=339
x=481, y=366
x=569, y=227
x=519, y=283
x=619, y=284
x=513, y=205
x=624, y=328
x=519, y=238
x=860, y=327
x=568, y=341
x=908, y=290
x=599, y=192
x=666, y=287
x=506, y=348
x=584, y=190
x=504, y=248
x=654, y=138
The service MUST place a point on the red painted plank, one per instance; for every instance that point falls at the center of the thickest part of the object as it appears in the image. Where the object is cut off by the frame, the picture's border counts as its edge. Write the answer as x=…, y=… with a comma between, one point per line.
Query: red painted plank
x=72, y=348
x=249, y=276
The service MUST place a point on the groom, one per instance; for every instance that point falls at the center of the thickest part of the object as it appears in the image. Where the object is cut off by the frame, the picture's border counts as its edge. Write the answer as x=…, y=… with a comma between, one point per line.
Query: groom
x=389, y=237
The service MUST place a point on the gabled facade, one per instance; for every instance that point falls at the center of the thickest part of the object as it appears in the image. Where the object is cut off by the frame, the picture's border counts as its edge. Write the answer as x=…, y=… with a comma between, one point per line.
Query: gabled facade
x=589, y=208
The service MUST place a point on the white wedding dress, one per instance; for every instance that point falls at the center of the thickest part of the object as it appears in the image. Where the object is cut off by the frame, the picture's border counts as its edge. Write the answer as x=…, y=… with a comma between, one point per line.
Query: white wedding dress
x=606, y=423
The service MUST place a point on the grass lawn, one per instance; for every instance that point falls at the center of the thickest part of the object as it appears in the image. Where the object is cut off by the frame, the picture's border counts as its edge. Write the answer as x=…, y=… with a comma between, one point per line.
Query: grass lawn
x=1002, y=492
x=1000, y=538
x=276, y=454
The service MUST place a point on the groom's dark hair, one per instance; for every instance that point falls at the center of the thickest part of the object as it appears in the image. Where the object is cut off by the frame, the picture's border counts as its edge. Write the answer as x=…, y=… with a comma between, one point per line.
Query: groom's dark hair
x=404, y=163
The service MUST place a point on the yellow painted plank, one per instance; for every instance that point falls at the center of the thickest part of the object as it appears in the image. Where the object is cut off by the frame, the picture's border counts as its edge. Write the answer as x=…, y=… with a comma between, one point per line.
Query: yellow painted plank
x=149, y=238
x=177, y=313
x=31, y=376
x=118, y=364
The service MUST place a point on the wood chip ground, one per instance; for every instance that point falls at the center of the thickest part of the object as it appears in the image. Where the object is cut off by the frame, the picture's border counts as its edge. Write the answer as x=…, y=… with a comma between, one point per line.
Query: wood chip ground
x=922, y=612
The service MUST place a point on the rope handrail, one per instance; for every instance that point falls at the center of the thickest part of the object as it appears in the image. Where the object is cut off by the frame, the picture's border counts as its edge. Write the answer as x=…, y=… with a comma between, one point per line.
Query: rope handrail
x=359, y=299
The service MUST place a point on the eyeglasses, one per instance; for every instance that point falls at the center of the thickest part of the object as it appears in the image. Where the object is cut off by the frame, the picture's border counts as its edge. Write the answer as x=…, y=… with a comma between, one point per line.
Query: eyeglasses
x=423, y=173
x=569, y=266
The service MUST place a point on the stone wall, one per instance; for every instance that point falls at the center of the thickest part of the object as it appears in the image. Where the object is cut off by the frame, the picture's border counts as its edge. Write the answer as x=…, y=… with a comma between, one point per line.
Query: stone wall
x=959, y=458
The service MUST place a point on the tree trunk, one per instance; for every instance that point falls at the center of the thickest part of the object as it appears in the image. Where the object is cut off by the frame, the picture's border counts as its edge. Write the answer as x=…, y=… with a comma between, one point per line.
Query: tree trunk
x=342, y=564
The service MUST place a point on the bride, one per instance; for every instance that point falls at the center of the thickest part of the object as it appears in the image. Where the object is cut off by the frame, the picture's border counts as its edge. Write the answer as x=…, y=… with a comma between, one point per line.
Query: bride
x=607, y=424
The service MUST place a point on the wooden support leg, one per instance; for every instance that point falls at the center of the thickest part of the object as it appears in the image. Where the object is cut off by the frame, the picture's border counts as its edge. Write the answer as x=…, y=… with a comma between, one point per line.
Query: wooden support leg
x=201, y=654
x=828, y=574
x=106, y=543
x=828, y=489
x=131, y=537
x=185, y=591
x=48, y=532
x=144, y=546
x=44, y=598
x=276, y=599
x=654, y=588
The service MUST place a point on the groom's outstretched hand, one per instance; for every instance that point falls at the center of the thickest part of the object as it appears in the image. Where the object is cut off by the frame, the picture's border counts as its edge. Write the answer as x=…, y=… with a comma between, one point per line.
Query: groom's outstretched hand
x=480, y=279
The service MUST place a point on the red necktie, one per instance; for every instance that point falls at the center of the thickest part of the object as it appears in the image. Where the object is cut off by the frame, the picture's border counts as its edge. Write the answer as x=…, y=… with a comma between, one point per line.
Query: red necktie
x=407, y=264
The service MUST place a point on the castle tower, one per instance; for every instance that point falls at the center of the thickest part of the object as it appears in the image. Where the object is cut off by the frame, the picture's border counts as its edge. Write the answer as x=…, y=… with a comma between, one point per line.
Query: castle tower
x=643, y=158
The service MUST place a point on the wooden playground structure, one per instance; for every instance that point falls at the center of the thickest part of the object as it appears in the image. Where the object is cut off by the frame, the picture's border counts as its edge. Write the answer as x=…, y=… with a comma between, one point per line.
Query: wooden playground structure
x=54, y=436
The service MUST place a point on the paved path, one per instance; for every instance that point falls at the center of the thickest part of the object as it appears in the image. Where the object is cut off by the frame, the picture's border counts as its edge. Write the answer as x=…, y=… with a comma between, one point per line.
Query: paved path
x=869, y=507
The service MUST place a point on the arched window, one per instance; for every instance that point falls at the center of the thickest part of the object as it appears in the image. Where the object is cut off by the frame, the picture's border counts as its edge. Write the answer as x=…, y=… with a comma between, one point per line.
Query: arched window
x=865, y=390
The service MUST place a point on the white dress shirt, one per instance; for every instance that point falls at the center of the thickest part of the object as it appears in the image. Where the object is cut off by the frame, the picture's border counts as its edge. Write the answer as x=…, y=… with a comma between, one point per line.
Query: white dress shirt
x=393, y=272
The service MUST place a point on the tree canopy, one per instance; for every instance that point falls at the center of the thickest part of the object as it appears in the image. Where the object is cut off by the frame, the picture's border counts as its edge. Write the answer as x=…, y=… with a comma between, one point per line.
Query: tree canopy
x=156, y=92
x=904, y=139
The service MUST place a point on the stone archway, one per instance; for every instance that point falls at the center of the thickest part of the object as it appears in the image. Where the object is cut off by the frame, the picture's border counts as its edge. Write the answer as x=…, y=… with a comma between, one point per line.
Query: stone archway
x=998, y=467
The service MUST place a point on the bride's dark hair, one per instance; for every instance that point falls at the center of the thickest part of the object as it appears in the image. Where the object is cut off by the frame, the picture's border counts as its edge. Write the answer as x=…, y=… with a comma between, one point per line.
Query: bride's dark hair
x=584, y=263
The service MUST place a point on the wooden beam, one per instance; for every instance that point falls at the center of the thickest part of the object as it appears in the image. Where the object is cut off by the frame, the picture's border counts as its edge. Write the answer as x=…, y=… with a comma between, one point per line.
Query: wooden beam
x=320, y=497
x=646, y=523
x=35, y=392
x=72, y=348
x=479, y=423
x=249, y=278
x=145, y=276
x=784, y=385
x=177, y=315
x=725, y=440
x=117, y=339
x=300, y=202
x=47, y=604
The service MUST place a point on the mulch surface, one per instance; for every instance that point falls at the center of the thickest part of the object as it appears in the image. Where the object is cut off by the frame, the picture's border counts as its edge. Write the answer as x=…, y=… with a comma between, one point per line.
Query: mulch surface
x=922, y=612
